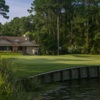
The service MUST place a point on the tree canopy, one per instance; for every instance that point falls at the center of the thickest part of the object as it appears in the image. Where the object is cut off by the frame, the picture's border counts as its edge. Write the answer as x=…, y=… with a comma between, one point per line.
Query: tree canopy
x=18, y=27
x=4, y=9
x=72, y=26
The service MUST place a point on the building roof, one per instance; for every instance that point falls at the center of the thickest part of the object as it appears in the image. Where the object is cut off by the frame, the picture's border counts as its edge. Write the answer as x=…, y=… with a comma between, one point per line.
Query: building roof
x=5, y=43
x=13, y=38
x=28, y=43
x=16, y=41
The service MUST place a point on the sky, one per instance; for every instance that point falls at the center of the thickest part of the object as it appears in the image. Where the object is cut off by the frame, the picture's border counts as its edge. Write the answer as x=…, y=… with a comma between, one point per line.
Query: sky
x=18, y=8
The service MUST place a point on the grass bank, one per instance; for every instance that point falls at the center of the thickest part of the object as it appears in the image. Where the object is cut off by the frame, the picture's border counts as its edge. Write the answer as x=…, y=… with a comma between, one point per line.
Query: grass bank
x=25, y=65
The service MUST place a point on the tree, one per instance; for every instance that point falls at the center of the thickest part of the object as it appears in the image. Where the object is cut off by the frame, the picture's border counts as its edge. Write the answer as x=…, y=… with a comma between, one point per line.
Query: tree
x=17, y=27
x=70, y=24
x=4, y=8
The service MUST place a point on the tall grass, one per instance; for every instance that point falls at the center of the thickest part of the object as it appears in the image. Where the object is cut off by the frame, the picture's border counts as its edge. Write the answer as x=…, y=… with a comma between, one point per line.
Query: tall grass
x=11, y=88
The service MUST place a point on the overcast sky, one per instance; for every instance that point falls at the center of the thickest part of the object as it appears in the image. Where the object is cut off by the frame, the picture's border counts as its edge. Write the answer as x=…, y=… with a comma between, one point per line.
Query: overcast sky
x=18, y=8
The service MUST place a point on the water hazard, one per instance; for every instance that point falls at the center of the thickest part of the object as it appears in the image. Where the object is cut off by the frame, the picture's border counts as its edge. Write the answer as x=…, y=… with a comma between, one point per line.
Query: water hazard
x=86, y=89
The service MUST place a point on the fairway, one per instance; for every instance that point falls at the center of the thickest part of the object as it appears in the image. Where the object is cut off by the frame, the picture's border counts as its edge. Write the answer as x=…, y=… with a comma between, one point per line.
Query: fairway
x=25, y=66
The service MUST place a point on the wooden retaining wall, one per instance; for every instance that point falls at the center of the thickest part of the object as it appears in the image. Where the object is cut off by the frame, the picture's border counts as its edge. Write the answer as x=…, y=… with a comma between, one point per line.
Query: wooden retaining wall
x=69, y=74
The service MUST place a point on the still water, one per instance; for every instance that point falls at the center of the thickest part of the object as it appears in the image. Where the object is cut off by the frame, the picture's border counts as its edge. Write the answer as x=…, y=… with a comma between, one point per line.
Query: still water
x=86, y=89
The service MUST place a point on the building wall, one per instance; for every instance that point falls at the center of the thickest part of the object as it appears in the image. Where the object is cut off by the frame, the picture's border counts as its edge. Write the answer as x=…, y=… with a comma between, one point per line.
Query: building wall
x=15, y=48
x=32, y=50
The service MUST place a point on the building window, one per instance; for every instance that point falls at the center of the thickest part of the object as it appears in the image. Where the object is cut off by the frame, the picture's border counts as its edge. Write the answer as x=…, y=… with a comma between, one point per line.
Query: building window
x=20, y=48
x=5, y=48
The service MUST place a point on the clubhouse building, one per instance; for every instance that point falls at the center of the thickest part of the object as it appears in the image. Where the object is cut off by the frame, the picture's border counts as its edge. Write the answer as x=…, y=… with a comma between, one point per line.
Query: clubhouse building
x=18, y=44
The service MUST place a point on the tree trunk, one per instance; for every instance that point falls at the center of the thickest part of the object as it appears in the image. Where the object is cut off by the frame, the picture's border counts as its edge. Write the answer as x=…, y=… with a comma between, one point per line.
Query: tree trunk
x=58, y=42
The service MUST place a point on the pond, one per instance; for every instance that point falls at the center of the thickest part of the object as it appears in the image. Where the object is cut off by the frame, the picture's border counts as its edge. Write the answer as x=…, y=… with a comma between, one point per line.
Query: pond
x=85, y=89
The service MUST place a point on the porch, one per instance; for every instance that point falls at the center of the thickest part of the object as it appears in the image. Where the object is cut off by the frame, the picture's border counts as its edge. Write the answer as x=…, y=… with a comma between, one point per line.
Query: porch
x=20, y=49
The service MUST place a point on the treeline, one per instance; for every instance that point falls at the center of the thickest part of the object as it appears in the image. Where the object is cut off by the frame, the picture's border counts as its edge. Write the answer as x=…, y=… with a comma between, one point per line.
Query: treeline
x=18, y=27
x=61, y=26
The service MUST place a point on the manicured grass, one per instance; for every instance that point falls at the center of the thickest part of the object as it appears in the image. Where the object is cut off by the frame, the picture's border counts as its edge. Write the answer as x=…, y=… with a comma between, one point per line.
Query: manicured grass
x=30, y=65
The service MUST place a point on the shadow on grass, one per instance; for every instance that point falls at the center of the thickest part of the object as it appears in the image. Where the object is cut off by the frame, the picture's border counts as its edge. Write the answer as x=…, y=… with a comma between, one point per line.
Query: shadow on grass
x=45, y=60
x=82, y=56
x=27, y=67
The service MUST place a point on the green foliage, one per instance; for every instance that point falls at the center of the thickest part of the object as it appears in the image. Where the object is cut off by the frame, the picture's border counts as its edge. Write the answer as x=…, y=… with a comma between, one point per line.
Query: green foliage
x=93, y=51
x=9, y=53
x=4, y=8
x=18, y=27
x=31, y=84
x=6, y=78
x=12, y=89
x=74, y=49
x=77, y=24
x=97, y=43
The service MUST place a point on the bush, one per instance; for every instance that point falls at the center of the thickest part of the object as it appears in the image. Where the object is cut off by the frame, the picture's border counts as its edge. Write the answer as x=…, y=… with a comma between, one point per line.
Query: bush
x=6, y=77
x=74, y=49
x=9, y=53
x=11, y=88
x=31, y=84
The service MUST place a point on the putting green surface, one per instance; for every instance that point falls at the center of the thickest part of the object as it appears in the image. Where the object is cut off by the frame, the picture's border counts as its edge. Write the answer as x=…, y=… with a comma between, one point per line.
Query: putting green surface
x=25, y=66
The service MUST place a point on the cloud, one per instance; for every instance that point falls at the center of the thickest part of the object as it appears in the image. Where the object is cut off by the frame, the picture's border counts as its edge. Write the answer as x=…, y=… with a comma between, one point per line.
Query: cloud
x=18, y=8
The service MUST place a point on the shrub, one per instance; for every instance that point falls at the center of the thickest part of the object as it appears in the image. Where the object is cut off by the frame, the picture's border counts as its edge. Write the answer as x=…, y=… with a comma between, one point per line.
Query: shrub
x=74, y=49
x=11, y=88
x=6, y=77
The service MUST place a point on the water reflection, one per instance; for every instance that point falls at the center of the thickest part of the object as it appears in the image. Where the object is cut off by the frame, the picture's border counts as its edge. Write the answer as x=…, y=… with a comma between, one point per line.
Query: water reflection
x=87, y=89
